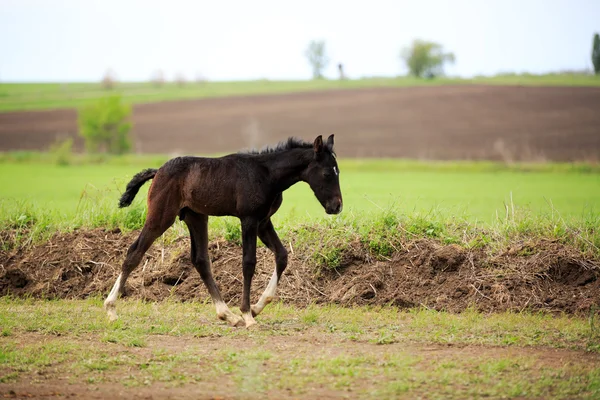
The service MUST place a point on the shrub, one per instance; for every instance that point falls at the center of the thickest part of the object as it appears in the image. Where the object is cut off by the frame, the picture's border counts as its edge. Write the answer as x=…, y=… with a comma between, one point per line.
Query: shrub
x=105, y=126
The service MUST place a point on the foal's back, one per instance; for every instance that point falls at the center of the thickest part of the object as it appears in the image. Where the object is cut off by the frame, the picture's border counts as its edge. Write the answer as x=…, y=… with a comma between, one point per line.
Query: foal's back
x=230, y=185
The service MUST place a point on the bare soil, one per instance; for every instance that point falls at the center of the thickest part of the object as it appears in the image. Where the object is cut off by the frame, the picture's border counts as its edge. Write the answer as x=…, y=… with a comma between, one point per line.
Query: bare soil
x=446, y=122
x=530, y=276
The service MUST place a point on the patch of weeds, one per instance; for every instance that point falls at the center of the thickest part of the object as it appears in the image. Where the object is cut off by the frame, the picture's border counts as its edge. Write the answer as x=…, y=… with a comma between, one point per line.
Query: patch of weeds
x=479, y=242
x=384, y=337
x=134, y=218
x=510, y=340
x=325, y=245
x=166, y=373
x=61, y=151
x=262, y=355
x=94, y=380
x=449, y=364
x=381, y=247
x=342, y=366
x=10, y=377
x=450, y=239
x=381, y=237
x=36, y=355
x=95, y=365
x=593, y=342
x=310, y=316
x=495, y=367
x=6, y=332
x=125, y=338
x=397, y=387
x=331, y=258
x=207, y=331
x=352, y=328
x=230, y=358
x=233, y=231
x=422, y=227
x=593, y=385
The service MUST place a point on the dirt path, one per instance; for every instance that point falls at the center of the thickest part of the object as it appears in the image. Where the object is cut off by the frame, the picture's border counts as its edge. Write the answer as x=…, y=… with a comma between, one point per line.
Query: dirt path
x=447, y=122
x=226, y=367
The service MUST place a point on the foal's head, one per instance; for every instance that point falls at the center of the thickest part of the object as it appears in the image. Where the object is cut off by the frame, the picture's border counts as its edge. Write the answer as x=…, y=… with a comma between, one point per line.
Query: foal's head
x=322, y=175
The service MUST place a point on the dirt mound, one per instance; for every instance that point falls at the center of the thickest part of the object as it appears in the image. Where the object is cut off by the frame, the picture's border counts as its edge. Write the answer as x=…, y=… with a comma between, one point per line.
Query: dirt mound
x=437, y=122
x=541, y=276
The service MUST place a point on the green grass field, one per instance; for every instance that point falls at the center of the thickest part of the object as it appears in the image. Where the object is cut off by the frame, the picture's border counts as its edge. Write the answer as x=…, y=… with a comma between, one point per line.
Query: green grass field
x=38, y=96
x=450, y=201
x=469, y=191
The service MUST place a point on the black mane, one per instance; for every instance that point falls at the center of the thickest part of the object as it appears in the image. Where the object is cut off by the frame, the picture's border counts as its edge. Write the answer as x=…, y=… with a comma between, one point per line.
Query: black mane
x=290, y=143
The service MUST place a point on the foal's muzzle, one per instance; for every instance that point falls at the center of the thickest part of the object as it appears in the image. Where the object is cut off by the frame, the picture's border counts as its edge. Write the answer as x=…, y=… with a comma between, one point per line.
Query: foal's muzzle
x=334, y=206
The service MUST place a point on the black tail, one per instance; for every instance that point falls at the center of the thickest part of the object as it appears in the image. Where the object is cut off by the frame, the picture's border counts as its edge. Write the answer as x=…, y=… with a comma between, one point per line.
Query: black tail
x=134, y=186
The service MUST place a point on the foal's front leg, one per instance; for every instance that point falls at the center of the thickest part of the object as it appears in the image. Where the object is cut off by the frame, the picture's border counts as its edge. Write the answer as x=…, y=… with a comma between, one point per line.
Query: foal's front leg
x=266, y=233
x=249, y=234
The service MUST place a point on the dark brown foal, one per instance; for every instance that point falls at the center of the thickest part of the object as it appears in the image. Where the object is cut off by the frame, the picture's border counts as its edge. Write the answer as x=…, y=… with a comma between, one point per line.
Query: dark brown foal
x=245, y=185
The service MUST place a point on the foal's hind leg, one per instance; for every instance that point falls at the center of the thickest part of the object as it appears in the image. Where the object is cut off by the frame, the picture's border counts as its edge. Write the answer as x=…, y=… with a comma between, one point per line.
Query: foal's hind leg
x=198, y=226
x=267, y=234
x=157, y=222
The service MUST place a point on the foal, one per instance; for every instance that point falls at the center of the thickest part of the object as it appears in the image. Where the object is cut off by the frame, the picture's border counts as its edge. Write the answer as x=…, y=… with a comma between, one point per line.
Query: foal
x=245, y=185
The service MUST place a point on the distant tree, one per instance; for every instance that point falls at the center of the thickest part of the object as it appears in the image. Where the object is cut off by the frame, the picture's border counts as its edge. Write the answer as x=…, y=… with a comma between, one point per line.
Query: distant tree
x=317, y=57
x=104, y=125
x=425, y=59
x=596, y=54
x=109, y=80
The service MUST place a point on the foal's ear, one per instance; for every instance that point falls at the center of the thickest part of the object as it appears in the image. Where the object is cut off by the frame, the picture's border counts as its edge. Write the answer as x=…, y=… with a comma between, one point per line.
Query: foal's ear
x=330, y=143
x=318, y=144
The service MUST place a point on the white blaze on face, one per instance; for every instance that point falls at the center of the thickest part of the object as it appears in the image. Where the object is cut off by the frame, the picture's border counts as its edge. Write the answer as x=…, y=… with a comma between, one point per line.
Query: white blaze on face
x=335, y=171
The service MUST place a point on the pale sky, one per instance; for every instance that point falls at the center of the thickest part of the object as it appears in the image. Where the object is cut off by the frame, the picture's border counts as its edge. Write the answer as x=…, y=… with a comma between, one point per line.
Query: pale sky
x=78, y=40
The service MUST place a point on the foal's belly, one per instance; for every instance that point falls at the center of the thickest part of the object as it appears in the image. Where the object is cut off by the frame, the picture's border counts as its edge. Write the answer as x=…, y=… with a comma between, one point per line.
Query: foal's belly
x=204, y=201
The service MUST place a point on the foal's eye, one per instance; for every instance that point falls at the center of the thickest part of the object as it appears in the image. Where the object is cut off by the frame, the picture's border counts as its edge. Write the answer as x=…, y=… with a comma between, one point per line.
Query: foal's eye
x=330, y=173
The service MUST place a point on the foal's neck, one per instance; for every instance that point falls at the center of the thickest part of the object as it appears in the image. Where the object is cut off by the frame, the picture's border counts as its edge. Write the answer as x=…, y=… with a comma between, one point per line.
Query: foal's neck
x=288, y=167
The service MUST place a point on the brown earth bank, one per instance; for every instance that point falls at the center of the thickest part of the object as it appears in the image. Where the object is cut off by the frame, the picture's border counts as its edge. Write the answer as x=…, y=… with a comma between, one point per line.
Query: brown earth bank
x=446, y=122
x=544, y=276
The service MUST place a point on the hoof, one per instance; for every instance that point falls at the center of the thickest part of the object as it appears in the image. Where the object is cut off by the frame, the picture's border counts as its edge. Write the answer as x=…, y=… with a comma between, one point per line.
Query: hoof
x=111, y=312
x=112, y=316
x=239, y=324
x=249, y=320
x=258, y=307
x=231, y=319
